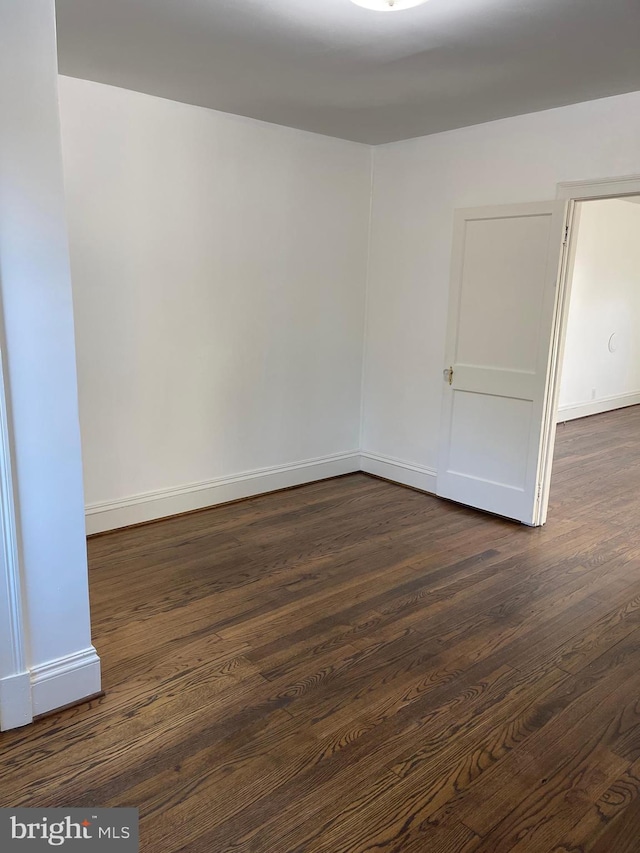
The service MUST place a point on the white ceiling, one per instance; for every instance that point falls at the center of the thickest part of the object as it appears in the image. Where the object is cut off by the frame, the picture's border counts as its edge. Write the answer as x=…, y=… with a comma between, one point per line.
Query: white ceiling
x=335, y=68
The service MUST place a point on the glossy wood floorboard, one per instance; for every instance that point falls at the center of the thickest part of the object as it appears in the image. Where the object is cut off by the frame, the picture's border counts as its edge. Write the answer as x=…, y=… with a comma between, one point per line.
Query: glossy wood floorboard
x=353, y=666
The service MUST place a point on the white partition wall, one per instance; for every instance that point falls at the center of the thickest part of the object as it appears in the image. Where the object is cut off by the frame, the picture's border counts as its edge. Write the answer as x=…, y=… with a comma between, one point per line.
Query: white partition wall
x=57, y=661
x=219, y=271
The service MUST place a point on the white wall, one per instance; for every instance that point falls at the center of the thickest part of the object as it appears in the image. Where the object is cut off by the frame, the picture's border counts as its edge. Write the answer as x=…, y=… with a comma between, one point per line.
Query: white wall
x=219, y=268
x=417, y=186
x=605, y=301
x=39, y=355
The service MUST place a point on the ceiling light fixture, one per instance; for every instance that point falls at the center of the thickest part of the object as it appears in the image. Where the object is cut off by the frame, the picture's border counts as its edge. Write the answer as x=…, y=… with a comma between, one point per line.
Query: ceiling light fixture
x=388, y=5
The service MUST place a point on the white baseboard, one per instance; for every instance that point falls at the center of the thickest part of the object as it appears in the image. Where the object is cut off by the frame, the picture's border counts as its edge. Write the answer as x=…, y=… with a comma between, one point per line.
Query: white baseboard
x=63, y=681
x=596, y=407
x=15, y=701
x=399, y=471
x=153, y=505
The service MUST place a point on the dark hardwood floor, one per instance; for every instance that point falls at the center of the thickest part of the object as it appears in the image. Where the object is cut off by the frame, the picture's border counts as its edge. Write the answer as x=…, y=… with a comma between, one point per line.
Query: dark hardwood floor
x=353, y=666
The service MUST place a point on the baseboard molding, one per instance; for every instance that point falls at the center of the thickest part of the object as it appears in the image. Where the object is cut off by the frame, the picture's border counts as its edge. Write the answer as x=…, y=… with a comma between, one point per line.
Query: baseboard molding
x=399, y=471
x=165, y=502
x=65, y=681
x=15, y=701
x=596, y=407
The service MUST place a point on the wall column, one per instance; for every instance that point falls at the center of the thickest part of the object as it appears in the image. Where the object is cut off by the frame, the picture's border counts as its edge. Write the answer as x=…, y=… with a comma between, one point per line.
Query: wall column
x=39, y=381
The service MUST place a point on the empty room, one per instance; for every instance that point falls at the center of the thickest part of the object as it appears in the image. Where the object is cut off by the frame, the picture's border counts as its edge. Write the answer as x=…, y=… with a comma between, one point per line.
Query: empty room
x=599, y=401
x=319, y=437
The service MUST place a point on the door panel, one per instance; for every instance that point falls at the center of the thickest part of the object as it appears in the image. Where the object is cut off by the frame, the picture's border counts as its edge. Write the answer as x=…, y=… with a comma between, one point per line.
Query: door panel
x=496, y=449
x=505, y=268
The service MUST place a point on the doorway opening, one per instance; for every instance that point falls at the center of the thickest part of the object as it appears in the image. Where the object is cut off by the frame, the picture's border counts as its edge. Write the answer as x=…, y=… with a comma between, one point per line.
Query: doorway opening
x=511, y=274
x=598, y=403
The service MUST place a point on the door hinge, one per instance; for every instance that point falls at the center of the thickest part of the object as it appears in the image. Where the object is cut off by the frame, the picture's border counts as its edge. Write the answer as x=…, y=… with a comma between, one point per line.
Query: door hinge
x=566, y=235
x=448, y=374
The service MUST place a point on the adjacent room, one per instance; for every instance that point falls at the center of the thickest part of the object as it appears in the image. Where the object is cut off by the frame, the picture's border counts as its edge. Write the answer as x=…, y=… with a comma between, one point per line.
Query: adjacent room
x=599, y=402
x=320, y=425
x=601, y=360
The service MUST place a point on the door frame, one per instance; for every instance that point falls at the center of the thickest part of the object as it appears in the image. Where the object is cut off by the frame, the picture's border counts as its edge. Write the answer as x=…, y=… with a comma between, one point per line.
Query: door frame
x=15, y=683
x=572, y=192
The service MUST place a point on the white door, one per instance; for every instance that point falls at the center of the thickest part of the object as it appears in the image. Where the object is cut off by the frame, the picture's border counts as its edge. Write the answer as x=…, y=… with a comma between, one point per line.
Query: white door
x=505, y=271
